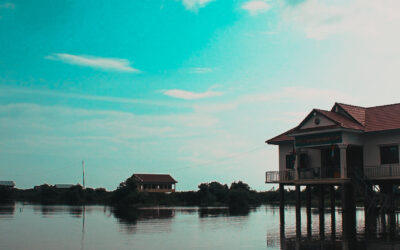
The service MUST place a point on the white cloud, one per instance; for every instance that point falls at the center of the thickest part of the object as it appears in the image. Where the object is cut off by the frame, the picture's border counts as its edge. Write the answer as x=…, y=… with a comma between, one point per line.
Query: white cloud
x=256, y=7
x=291, y=117
x=214, y=107
x=7, y=6
x=321, y=19
x=194, y=5
x=4, y=91
x=188, y=95
x=200, y=70
x=116, y=64
x=300, y=94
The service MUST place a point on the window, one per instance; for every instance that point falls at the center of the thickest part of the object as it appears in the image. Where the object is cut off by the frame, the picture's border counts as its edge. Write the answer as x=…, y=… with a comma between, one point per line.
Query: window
x=290, y=161
x=390, y=154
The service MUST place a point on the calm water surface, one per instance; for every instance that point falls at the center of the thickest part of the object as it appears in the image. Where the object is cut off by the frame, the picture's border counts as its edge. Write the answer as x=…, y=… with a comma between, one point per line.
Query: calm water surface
x=97, y=227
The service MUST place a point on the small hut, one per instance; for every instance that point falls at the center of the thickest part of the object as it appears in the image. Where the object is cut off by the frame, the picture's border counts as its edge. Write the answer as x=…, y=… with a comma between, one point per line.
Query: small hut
x=157, y=183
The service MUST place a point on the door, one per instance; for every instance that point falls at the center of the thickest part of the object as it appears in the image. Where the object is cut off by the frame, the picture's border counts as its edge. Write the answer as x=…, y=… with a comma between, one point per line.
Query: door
x=355, y=161
x=330, y=162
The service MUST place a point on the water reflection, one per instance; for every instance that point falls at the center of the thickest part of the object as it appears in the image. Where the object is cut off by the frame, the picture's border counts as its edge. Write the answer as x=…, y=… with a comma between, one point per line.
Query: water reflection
x=7, y=210
x=49, y=211
x=212, y=212
x=345, y=230
x=101, y=227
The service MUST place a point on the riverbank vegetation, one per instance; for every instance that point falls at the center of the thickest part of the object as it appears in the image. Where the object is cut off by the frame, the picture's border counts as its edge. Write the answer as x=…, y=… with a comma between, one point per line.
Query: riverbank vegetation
x=238, y=196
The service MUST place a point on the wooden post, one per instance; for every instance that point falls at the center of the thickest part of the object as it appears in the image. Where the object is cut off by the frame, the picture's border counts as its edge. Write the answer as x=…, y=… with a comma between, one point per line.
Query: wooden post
x=282, y=203
x=308, y=205
x=348, y=198
x=308, y=198
x=333, y=216
x=298, y=215
x=333, y=198
x=349, y=211
x=298, y=198
x=321, y=189
x=321, y=210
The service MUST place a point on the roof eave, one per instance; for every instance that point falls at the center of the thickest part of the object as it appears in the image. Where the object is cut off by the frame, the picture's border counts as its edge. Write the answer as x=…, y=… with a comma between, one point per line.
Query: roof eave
x=327, y=130
x=271, y=142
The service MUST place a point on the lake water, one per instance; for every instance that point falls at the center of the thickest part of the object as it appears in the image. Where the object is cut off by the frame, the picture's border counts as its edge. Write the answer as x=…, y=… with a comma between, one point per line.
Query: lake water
x=24, y=226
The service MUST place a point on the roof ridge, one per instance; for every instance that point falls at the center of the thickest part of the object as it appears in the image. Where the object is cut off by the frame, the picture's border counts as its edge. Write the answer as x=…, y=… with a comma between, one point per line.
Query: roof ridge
x=339, y=115
x=378, y=106
x=351, y=105
x=154, y=174
x=323, y=110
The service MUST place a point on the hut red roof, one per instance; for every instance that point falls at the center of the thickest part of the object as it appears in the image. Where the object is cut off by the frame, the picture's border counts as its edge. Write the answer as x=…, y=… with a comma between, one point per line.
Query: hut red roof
x=155, y=178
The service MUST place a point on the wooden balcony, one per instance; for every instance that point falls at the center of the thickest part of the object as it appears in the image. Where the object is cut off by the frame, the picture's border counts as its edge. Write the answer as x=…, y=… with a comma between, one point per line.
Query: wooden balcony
x=382, y=172
x=280, y=176
x=319, y=175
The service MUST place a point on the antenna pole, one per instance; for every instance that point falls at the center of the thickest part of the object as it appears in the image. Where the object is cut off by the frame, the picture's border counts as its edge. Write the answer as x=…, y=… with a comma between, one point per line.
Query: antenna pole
x=83, y=173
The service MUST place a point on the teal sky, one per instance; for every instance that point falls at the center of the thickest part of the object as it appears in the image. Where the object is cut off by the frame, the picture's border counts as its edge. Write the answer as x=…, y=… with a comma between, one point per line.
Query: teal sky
x=187, y=87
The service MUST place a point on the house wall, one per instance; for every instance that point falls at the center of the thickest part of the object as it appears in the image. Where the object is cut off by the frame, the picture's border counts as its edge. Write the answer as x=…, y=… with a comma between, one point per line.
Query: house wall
x=314, y=155
x=284, y=149
x=352, y=138
x=372, y=143
x=371, y=148
x=323, y=122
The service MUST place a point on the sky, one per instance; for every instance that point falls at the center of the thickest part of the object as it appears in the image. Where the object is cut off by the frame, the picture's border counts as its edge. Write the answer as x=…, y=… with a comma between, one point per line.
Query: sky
x=192, y=88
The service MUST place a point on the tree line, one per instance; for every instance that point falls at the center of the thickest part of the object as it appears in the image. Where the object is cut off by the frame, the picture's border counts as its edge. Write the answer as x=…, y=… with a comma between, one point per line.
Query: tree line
x=237, y=196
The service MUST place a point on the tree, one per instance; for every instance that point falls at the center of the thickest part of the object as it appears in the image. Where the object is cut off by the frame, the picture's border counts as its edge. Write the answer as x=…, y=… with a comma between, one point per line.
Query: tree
x=240, y=185
x=127, y=192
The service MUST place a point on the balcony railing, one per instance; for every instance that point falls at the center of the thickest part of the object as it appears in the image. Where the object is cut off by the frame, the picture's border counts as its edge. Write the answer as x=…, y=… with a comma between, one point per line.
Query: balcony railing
x=382, y=171
x=278, y=176
x=370, y=172
x=304, y=174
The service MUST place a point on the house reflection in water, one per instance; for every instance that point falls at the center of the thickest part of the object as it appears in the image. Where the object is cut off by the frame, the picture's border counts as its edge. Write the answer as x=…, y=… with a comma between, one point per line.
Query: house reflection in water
x=378, y=231
x=128, y=218
x=7, y=210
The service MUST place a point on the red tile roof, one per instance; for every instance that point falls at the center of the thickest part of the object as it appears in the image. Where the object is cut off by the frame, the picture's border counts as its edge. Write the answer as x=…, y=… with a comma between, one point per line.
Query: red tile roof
x=382, y=118
x=358, y=113
x=281, y=138
x=373, y=119
x=155, y=178
x=340, y=120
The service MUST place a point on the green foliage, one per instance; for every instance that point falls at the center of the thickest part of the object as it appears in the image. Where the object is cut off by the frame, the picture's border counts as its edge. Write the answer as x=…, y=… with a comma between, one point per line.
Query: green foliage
x=238, y=201
x=238, y=196
x=127, y=192
x=240, y=185
x=6, y=194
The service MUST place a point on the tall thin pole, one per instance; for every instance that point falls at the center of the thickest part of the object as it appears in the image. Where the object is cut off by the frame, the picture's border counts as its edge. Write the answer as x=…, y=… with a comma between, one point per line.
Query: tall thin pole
x=83, y=173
